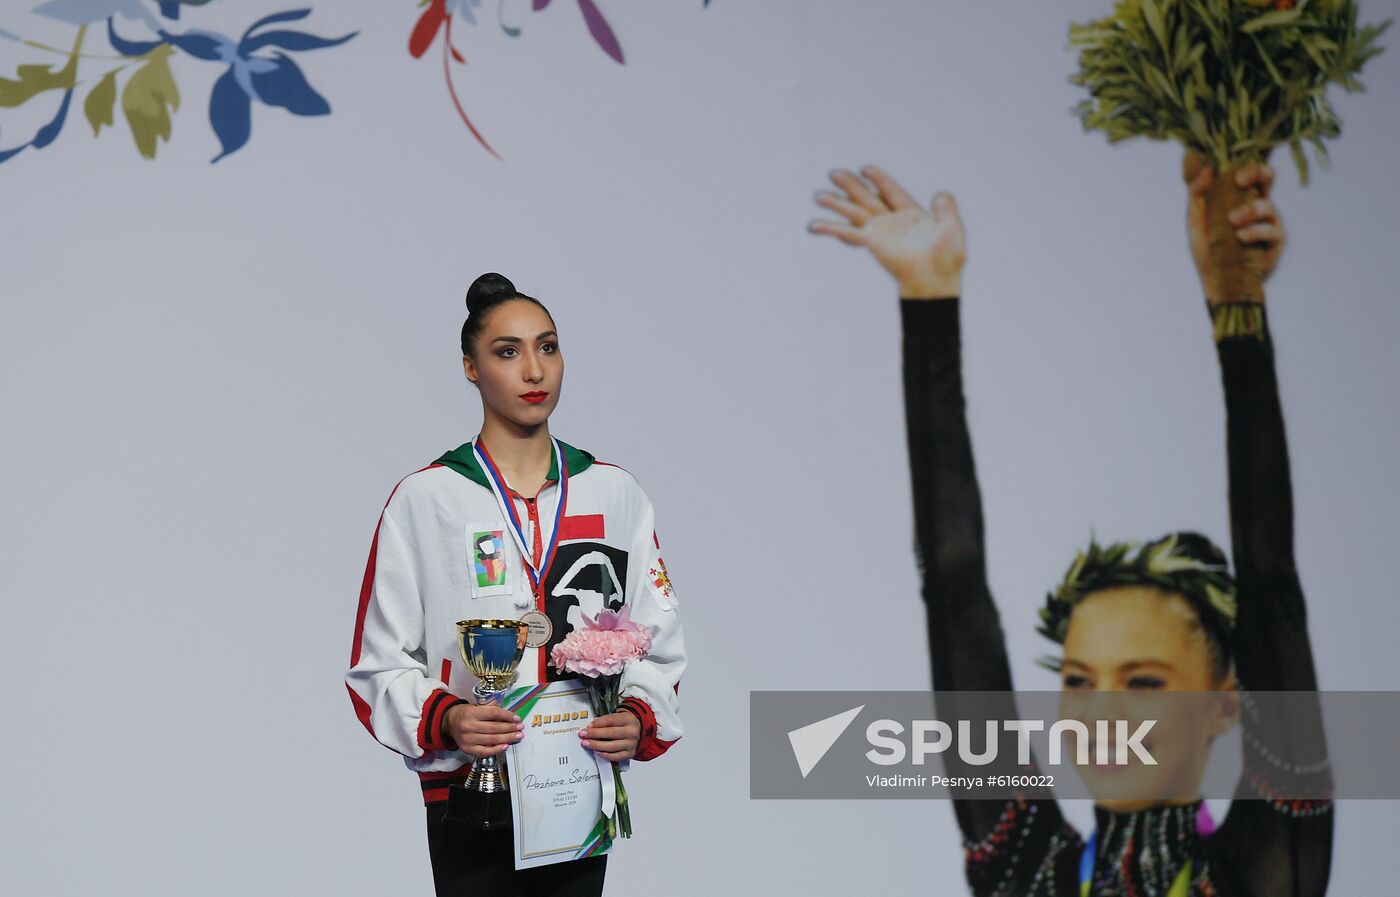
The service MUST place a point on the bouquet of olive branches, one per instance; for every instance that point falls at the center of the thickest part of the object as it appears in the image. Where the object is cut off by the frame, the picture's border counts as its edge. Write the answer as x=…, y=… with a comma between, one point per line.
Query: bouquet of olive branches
x=1228, y=79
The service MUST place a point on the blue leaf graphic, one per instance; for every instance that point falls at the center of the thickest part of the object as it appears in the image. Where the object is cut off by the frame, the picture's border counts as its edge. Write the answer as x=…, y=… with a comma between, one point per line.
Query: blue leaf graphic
x=50, y=131
x=464, y=9
x=171, y=8
x=197, y=44
x=277, y=17
x=14, y=151
x=85, y=12
x=129, y=47
x=46, y=134
x=290, y=40
x=286, y=86
x=230, y=112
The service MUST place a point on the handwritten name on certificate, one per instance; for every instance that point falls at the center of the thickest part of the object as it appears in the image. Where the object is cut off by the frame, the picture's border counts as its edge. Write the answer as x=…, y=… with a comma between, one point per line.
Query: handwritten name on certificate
x=556, y=784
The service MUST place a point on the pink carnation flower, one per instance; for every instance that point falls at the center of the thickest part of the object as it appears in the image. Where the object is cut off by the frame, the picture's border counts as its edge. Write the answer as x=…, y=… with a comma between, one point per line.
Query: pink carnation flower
x=603, y=647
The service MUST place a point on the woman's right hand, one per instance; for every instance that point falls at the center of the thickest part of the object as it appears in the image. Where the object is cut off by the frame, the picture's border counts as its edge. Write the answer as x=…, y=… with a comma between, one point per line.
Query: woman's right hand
x=923, y=249
x=482, y=729
x=1256, y=221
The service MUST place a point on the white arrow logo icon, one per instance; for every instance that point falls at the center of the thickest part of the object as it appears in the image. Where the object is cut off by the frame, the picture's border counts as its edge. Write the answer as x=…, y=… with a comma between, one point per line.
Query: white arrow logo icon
x=811, y=742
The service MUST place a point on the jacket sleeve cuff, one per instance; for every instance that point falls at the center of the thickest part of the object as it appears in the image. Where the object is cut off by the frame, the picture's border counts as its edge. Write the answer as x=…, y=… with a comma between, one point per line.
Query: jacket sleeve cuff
x=431, y=731
x=649, y=747
x=931, y=321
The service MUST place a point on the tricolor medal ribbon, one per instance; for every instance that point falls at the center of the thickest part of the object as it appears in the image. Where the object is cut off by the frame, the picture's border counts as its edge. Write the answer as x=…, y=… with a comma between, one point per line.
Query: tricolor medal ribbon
x=549, y=537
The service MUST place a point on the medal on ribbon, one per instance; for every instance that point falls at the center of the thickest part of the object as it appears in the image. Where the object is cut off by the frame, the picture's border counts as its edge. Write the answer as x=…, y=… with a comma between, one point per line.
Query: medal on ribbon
x=549, y=526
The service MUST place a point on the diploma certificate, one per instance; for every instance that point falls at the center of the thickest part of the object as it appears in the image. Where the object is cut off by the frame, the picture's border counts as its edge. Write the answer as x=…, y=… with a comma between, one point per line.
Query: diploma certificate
x=556, y=784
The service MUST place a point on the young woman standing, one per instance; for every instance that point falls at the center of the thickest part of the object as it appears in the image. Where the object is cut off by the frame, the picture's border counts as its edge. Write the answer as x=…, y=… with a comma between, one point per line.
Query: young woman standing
x=515, y=524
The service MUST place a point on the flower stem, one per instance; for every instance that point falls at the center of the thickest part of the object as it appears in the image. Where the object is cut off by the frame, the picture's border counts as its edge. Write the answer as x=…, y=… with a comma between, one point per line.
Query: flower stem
x=48, y=49
x=452, y=89
x=624, y=813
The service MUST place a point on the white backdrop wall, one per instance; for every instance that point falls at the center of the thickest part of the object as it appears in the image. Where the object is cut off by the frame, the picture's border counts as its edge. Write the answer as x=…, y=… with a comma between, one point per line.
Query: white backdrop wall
x=213, y=375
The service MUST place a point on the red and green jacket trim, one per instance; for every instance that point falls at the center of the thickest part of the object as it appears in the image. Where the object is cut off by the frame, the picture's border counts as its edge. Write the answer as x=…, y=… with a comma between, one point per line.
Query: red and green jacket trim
x=463, y=460
x=649, y=747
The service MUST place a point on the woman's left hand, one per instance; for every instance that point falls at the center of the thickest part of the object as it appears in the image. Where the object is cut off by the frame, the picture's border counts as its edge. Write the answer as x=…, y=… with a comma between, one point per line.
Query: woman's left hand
x=613, y=737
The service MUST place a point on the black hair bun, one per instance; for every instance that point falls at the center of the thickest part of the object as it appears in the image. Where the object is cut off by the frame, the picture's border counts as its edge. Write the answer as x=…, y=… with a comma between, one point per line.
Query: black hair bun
x=486, y=287
x=487, y=292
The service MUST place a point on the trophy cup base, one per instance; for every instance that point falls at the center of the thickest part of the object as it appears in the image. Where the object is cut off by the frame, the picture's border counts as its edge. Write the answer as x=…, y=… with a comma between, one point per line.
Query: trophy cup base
x=486, y=811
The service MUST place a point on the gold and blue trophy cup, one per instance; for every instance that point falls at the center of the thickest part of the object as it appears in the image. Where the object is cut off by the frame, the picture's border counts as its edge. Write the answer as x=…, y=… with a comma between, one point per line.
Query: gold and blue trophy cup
x=491, y=649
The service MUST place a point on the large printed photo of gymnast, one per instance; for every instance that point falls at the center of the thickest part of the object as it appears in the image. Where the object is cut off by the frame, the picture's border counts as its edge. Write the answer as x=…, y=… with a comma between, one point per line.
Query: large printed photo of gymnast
x=1172, y=614
x=1167, y=615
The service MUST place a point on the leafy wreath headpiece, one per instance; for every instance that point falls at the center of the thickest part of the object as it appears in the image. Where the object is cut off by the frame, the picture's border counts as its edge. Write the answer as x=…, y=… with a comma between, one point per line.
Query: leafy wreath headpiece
x=1166, y=563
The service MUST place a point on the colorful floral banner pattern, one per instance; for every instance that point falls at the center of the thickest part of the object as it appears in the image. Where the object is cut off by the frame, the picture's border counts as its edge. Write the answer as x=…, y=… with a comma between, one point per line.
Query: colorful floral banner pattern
x=257, y=68
x=439, y=15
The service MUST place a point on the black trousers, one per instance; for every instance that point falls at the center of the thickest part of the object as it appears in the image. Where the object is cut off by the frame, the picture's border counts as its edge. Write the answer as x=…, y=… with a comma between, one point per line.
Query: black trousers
x=472, y=863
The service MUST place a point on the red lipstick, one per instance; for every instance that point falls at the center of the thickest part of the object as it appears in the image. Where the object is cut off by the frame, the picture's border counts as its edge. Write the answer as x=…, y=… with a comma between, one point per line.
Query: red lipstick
x=534, y=398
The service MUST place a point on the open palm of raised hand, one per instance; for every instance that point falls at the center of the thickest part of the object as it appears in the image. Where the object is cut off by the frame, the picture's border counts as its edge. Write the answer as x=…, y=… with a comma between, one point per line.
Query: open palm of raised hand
x=924, y=250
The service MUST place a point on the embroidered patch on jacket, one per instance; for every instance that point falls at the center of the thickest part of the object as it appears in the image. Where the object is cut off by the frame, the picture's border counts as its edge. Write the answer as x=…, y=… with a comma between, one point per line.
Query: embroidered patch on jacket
x=661, y=582
x=489, y=557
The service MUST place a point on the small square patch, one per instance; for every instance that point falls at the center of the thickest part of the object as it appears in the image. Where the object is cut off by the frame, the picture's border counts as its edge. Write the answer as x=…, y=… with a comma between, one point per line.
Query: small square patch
x=489, y=558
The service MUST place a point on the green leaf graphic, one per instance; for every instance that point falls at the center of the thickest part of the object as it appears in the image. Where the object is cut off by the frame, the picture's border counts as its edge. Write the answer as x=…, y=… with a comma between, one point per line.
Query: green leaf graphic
x=34, y=80
x=146, y=98
x=100, y=101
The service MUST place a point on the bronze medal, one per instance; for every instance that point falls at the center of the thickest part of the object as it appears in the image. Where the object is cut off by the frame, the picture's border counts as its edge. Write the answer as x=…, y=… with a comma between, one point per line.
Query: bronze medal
x=540, y=629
